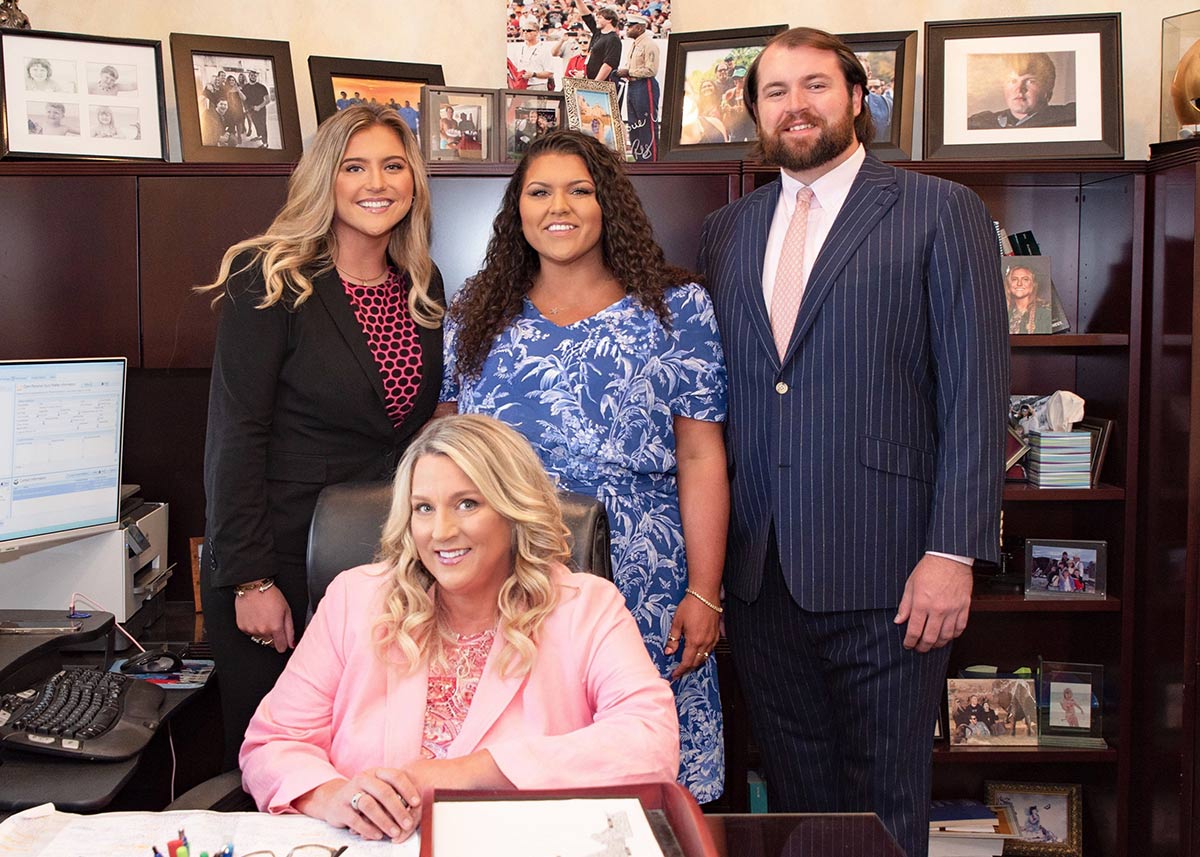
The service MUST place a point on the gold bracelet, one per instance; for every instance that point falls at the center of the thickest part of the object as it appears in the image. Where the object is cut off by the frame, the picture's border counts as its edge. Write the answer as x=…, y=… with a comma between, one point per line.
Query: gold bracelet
x=254, y=586
x=704, y=601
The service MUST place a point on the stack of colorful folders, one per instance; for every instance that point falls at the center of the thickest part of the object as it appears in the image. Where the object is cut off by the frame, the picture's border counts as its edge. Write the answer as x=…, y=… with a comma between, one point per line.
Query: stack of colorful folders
x=1059, y=459
x=968, y=828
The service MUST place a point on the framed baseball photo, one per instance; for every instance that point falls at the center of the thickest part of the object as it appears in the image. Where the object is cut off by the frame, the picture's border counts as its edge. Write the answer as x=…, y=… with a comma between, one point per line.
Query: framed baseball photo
x=81, y=97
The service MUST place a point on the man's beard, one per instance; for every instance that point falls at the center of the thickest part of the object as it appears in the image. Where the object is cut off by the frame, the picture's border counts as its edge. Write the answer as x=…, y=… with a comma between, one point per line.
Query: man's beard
x=832, y=141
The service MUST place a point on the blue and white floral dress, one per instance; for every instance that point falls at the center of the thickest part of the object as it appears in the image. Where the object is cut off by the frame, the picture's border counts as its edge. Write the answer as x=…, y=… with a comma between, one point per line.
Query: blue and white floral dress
x=597, y=399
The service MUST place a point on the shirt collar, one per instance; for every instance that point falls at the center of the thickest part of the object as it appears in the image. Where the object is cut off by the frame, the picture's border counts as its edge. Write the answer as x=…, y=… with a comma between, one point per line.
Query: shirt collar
x=830, y=190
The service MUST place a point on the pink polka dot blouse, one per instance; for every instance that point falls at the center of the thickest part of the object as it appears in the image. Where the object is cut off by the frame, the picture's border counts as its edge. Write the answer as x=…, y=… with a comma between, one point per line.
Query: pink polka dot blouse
x=391, y=332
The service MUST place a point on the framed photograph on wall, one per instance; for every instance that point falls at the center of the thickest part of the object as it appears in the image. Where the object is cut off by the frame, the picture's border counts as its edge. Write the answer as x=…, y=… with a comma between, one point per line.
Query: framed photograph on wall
x=73, y=96
x=1067, y=569
x=704, y=117
x=890, y=60
x=593, y=109
x=1024, y=88
x=460, y=125
x=338, y=82
x=1049, y=817
x=527, y=116
x=236, y=100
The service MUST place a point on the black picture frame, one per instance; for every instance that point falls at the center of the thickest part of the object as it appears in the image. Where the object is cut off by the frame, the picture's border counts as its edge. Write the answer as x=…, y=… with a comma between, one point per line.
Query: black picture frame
x=687, y=53
x=963, y=57
x=1101, y=430
x=281, y=115
x=323, y=70
x=541, y=101
x=120, y=79
x=895, y=142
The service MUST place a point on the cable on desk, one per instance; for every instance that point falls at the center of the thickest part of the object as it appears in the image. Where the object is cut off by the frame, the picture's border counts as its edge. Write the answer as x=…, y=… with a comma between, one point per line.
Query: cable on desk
x=171, y=744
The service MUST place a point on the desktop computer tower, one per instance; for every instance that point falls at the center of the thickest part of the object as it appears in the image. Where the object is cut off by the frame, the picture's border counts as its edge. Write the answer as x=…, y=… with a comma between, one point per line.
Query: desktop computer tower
x=121, y=570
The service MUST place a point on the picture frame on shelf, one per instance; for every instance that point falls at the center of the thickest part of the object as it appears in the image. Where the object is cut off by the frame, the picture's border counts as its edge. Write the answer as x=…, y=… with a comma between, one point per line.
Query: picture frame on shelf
x=1070, y=705
x=236, y=100
x=1049, y=817
x=461, y=125
x=338, y=81
x=1016, y=448
x=528, y=114
x=1101, y=430
x=891, y=63
x=996, y=712
x=593, y=109
x=1066, y=569
x=1047, y=87
x=696, y=62
x=73, y=96
x=1032, y=301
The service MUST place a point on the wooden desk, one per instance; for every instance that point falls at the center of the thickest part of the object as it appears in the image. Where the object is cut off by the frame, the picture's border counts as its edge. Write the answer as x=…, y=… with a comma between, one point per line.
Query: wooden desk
x=801, y=835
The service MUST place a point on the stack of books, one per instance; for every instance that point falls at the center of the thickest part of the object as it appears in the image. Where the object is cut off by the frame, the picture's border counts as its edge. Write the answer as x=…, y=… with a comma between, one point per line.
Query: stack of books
x=968, y=828
x=1059, y=459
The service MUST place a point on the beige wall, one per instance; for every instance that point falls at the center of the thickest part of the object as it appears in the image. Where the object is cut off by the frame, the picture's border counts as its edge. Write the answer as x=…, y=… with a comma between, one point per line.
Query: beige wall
x=462, y=35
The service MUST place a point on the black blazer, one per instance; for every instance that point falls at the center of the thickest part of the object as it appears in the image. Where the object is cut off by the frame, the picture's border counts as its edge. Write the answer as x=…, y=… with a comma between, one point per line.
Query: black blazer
x=296, y=403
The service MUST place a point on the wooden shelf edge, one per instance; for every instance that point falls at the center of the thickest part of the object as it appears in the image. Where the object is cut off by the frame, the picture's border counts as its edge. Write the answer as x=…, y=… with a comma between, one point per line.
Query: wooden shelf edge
x=1024, y=492
x=1013, y=603
x=1068, y=340
x=943, y=754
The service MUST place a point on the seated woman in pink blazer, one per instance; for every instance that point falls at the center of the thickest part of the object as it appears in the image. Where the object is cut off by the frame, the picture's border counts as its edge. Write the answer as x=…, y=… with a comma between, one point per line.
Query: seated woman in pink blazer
x=470, y=657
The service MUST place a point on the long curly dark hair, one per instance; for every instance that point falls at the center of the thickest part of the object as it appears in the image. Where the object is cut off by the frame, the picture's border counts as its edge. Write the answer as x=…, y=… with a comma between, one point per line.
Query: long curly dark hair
x=492, y=298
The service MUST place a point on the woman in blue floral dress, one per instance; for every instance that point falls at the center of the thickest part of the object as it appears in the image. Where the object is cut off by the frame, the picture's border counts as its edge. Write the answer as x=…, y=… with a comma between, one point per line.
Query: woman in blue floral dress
x=577, y=333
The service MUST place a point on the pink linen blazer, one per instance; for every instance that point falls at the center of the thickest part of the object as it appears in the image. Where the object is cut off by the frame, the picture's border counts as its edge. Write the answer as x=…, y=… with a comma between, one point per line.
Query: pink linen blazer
x=592, y=711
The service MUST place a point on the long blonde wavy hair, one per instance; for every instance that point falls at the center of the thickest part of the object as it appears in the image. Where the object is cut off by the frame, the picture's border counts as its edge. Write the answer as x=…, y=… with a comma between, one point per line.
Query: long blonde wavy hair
x=301, y=236
x=509, y=475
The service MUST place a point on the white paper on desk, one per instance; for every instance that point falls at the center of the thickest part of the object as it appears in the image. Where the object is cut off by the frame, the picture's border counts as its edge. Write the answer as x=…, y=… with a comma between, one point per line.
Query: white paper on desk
x=574, y=827
x=131, y=834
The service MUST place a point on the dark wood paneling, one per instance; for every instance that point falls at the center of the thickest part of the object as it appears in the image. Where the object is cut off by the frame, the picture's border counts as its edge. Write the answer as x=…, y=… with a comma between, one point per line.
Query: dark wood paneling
x=69, y=273
x=186, y=223
x=677, y=206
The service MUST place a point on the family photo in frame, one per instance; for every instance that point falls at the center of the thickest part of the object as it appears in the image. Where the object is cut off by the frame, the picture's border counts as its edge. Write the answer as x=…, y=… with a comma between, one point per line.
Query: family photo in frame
x=1065, y=569
x=1045, y=87
x=992, y=712
x=460, y=124
x=527, y=116
x=76, y=96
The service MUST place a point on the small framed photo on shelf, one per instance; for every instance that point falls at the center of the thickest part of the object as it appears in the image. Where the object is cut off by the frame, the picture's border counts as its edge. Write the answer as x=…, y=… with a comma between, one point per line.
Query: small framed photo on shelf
x=339, y=82
x=890, y=60
x=593, y=109
x=1101, y=431
x=1024, y=88
x=1016, y=447
x=81, y=97
x=1065, y=569
x=704, y=115
x=1033, y=302
x=236, y=100
x=1070, y=705
x=992, y=712
x=527, y=116
x=1049, y=817
x=460, y=125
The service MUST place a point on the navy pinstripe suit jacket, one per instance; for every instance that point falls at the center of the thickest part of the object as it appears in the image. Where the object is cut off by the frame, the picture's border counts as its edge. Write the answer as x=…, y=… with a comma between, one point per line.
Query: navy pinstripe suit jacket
x=881, y=433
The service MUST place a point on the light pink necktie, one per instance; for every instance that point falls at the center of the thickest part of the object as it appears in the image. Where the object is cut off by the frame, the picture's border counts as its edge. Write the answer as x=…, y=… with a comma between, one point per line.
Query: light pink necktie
x=789, y=276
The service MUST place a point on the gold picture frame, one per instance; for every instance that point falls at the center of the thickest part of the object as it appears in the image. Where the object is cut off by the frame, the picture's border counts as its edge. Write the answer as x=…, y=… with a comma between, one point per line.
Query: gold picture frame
x=592, y=109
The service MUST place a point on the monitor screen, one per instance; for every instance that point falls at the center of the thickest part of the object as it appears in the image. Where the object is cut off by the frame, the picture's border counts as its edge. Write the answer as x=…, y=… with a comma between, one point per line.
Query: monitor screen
x=61, y=425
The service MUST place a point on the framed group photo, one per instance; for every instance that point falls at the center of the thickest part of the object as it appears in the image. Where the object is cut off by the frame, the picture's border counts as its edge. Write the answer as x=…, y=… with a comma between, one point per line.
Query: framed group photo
x=73, y=96
x=529, y=115
x=236, y=100
x=992, y=712
x=460, y=124
x=704, y=116
x=1049, y=817
x=339, y=82
x=592, y=109
x=1024, y=88
x=1067, y=569
x=890, y=61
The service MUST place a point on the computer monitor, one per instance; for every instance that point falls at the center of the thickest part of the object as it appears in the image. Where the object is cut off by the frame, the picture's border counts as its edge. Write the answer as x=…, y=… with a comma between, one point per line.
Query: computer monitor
x=61, y=432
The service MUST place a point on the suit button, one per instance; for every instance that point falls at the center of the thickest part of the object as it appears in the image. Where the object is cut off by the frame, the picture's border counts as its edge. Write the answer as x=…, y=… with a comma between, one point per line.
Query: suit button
x=781, y=388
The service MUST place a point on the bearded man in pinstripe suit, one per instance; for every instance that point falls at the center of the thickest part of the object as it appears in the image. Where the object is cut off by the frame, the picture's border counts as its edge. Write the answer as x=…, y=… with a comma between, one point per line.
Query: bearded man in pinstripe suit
x=866, y=344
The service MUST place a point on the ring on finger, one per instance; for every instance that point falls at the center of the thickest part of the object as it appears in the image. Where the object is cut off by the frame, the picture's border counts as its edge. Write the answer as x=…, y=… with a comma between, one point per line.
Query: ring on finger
x=354, y=799
x=262, y=642
x=671, y=638
x=702, y=655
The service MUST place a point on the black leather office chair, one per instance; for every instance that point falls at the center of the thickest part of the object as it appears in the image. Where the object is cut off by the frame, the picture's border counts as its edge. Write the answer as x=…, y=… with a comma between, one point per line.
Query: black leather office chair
x=345, y=533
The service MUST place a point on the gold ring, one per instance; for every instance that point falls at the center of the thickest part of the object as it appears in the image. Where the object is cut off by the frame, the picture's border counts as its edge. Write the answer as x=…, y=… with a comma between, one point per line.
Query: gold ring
x=263, y=642
x=672, y=638
x=702, y=655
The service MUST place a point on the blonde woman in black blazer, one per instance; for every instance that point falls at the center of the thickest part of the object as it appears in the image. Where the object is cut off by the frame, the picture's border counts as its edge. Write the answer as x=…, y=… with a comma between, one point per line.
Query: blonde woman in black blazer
x=328, y=360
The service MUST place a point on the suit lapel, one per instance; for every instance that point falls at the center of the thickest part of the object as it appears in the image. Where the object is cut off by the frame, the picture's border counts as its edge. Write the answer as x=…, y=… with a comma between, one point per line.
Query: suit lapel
x=757, y=227
x=872, y=194
x=492, y=698
x=329, y=290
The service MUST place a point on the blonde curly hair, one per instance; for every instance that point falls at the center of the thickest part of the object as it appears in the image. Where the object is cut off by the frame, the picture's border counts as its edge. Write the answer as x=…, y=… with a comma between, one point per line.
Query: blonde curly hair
x=509, y=475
